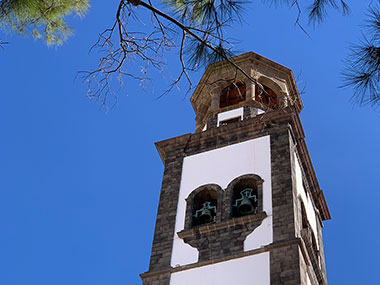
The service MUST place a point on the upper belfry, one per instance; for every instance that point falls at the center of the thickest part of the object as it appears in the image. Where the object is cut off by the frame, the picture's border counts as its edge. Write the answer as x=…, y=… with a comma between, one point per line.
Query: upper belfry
x=222, y=88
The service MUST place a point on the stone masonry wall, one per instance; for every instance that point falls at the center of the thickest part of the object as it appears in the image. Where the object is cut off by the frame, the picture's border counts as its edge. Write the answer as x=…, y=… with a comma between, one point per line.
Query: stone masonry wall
x=284, y=261
x=285, y=252
x=167, y=210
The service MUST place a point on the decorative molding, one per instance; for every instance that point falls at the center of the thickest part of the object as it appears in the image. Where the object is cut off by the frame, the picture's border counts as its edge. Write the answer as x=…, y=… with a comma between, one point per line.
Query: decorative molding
x=267, y=248
x=203, y=229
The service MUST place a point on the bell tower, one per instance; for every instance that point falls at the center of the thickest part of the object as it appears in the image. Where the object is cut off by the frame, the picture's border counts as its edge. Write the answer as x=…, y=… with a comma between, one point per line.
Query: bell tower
x=240, y=202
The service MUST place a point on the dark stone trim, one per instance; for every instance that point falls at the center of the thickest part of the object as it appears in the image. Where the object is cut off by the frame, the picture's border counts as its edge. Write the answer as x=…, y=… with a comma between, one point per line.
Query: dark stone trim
x=261, y=125
x=196, y=231
x=222, y=239
x=284, y=262
x=167, y=210
x=311, y=256
x=283, y=183
x=307, y=187
x=228, y=195
x=227, y=234
x=212, y=121
x=321, y=252
x=224, y=204
x=273, y=246
x=286, y=135
x=249, y=112
x=285, y=270
x=157, y=279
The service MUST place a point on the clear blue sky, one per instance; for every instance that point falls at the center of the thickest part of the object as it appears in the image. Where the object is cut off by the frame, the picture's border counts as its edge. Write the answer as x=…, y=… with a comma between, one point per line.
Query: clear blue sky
x=79, y=187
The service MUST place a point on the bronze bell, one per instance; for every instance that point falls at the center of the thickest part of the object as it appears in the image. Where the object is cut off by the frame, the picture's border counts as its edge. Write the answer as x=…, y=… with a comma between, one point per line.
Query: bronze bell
x=245, y=207
x=205, y=216
x=247, y=203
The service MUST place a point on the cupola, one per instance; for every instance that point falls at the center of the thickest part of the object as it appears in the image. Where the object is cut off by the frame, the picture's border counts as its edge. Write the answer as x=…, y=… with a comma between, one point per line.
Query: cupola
x=225, y=95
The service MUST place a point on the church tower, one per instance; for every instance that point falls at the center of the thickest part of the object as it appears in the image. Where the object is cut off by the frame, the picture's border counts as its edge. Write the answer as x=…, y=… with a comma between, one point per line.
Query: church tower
x=240, y=202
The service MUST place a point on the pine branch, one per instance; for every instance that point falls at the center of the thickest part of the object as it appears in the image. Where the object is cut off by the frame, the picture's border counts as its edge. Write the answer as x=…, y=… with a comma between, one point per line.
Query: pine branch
x=188, y=31
x=42, y=19
x=362, y=71
x=150, y=48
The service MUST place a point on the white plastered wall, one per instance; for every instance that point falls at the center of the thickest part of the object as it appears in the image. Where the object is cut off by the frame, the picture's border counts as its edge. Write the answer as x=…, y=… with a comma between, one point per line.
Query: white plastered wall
x=301, y=192
x=230, y=115
x=235, y=271
x=220, y=167
x=259, y=112
x=308, y=281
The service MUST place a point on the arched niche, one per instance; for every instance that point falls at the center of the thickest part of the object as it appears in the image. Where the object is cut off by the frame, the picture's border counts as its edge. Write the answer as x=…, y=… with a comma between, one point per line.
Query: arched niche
x=212, y=193
x=224, y=95
x=234, y=189
x=306, y=230
x=233, y=94
x=273, y=95
x=304, y=220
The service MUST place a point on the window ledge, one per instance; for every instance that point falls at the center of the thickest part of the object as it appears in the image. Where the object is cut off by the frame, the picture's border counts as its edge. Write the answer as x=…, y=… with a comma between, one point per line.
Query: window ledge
x=258, y=217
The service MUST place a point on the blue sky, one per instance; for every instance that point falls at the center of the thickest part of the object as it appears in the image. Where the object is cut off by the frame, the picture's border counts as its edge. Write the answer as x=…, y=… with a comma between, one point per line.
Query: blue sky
x=79, y=187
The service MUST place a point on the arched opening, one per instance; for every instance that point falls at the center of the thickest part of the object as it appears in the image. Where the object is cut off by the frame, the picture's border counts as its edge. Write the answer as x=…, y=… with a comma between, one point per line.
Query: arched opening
x=232, y=94
x=244, y=198
x=268, y=98
x=306, y=226
x=204, y=207
x=314, y=244
x=305, y=222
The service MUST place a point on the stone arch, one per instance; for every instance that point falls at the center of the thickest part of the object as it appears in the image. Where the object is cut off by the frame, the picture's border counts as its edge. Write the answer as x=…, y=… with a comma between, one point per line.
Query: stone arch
x=225, y=82
x=271, y=84
x=273, y=89
x=253, y=181
x=233, y=94
x=190, y=202
x=304, y=220
x=307, y=232
x=218, y=88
